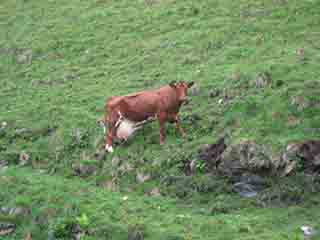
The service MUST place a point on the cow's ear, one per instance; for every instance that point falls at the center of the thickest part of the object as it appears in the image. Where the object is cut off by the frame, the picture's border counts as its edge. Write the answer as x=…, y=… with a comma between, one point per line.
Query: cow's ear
x=172, y=84
x=190, y=84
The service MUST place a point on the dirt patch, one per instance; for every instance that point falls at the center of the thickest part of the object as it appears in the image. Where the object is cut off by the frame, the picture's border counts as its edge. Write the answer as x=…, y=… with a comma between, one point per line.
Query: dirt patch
x=211, y=154
x=309, y=151
x=248, y=157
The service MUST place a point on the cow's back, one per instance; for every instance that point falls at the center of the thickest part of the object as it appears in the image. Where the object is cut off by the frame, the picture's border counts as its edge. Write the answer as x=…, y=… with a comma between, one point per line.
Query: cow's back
x=140, y=106
x=143, y=105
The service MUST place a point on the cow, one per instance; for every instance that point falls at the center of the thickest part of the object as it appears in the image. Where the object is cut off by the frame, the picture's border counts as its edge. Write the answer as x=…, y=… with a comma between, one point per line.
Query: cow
x=126, y=114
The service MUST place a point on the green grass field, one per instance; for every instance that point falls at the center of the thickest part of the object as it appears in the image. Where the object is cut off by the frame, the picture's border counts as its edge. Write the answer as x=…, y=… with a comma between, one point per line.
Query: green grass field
x=60, y=61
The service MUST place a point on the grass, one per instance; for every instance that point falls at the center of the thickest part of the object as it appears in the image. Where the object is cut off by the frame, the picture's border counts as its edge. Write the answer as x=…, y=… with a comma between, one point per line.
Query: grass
x=112, y=216
x=60, y=61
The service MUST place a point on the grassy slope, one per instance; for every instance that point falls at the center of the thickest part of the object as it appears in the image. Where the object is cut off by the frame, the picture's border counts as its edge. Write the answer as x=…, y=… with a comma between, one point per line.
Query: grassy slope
x=85, y=51
x=111, y=216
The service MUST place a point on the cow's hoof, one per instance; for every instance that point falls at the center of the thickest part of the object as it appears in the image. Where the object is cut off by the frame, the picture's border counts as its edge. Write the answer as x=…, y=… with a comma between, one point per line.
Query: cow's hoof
x=109, y=148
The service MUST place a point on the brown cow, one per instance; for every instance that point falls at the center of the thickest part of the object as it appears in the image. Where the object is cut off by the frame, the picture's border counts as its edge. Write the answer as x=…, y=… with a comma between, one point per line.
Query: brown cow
x=125, y=114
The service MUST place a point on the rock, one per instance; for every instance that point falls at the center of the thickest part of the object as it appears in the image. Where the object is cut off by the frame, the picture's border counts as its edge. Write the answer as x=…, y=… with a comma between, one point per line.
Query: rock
x=7, y=228
x=16, y=211
x=4, y=210
x=263, y=80
x=22, y=132
x=136, y=232
x=253, y=179
x=4, y=124
x=78, y=136
x=306, y=153
x=245, y=189
x=309, y=232
x=211, y=154
x=192, y=165
x=155, y=192
x=24, y=56
x=20, y=211
x=84, y=170
x=309, y=151
x=247, y=161
x=249, y=185
x=24, y=158
x=288, y=160
x=293, y=121
x=214, y=93
x=301, y=102
x=141, y=178
x=245, y=157
x=77, y=232
x=3, y=164
x=229, y=94
x=194, y=90
x=301, y=54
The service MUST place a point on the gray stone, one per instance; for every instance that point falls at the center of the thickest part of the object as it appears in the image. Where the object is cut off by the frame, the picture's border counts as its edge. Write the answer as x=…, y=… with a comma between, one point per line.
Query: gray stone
x=214, y=93
x=3, y=164
x=155, y=192
x=24, y=158
x=84, y=170
x=309, y=232
x=20, y=211
x=245, y=189
x=301, y=102
x=192, y=165
x=307, y=153
x=141, y=178
x=194, y=90
x=136, y=232
x=245, y=157
x=263, y=80
x=7, y=228
x=24, y=56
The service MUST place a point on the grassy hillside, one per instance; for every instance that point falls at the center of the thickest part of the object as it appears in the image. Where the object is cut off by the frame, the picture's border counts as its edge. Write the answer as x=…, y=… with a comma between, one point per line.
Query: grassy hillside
x=60, y=61
x=115, y=216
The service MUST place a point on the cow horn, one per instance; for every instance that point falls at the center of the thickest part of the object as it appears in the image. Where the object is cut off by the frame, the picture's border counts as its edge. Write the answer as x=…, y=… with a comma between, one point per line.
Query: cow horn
x=172, y=84
x=190, y=84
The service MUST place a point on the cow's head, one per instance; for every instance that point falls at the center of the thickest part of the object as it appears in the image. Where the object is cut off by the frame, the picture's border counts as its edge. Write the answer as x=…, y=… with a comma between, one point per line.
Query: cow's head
x=182, y=89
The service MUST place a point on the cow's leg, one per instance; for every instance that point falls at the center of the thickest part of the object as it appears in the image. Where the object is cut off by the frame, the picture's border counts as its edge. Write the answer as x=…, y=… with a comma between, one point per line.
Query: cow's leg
x=112, y=119
x=177, y=122
x=162, y=119
x=109, y=140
